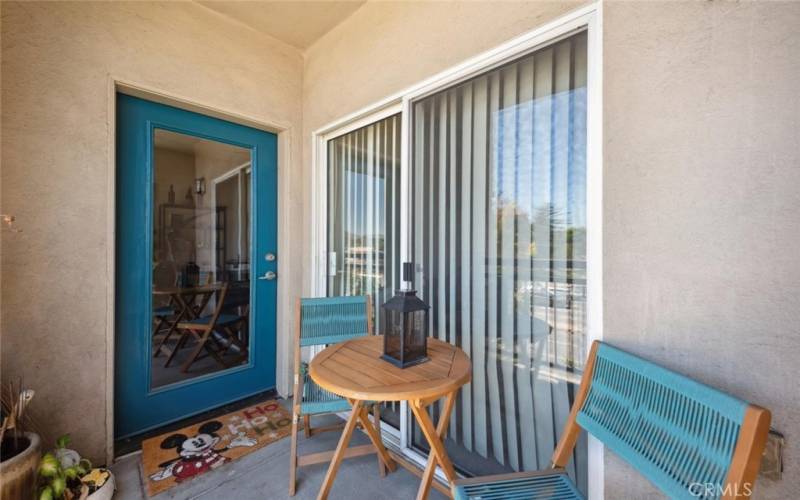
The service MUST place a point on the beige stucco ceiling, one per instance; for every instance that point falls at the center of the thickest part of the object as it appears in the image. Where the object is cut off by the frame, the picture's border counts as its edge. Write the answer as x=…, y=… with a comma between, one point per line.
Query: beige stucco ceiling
x=299, y=23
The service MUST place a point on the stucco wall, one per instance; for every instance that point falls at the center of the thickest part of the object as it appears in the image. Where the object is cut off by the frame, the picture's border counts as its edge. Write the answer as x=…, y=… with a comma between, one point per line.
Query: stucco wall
x=57, y=59
x=700, y=175
x=701, y=204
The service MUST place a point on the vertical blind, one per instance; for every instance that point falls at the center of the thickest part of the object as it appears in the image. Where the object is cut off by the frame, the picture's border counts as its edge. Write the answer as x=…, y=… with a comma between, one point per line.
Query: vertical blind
x=364, y=212
x=499, y=243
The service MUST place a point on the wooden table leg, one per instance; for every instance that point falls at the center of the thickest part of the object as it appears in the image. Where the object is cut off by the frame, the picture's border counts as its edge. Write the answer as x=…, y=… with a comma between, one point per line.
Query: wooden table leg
x=376, y=417
x=344, y=442
x=434, y=437
x=376, y=440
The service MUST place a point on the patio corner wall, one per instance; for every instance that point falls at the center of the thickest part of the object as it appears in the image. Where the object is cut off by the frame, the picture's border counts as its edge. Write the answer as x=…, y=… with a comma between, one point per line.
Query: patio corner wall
x=701, y=203
x=57, y=64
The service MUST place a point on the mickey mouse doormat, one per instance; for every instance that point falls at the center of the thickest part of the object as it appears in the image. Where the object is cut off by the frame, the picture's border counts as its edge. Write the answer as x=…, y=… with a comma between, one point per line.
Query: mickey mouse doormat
x=176, y=457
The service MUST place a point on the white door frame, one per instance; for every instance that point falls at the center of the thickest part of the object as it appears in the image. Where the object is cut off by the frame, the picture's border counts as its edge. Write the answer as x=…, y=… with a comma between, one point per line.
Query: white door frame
x=588, y=18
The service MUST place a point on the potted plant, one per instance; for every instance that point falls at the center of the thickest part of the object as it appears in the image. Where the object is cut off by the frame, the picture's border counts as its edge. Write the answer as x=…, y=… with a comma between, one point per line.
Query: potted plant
x=20, y=448
x=63, y=474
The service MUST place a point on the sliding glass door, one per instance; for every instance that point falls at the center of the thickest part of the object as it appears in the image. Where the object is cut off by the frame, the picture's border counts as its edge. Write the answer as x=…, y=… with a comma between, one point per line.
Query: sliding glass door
x=493, y=201
x=498, y=236
x=364, y=211
x=363, y=207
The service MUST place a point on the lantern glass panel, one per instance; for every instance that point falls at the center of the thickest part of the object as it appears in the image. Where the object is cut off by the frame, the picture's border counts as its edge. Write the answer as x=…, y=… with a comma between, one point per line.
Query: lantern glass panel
x=393, y=346
x=405, y=329
x=416, y=339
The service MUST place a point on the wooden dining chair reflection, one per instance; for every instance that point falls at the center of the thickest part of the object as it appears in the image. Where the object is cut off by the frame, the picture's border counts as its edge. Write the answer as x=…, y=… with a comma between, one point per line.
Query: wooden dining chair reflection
x=163, y=321
x=185, y=304
x=203, y=328
x=166, y=310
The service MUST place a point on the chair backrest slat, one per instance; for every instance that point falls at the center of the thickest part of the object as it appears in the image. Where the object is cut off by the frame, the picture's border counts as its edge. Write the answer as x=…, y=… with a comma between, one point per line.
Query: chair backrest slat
x=674, y=430
x=329, y=320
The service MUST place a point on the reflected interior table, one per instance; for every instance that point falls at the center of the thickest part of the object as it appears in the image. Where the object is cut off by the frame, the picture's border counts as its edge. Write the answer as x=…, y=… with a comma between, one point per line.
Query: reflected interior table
x=354, y=370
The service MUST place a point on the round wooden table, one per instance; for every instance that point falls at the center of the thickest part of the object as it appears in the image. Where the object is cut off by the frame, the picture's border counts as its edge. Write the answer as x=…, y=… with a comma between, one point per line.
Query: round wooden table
x=354, y=370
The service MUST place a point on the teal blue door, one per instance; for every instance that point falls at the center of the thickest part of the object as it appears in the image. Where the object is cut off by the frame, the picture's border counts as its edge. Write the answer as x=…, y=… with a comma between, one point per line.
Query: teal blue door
x=196, y=257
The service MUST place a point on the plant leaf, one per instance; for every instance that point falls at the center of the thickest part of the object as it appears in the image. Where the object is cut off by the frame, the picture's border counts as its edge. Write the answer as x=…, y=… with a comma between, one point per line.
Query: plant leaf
x=46, y=493
x=59, y=484
x=49, y=465
x=63, y=441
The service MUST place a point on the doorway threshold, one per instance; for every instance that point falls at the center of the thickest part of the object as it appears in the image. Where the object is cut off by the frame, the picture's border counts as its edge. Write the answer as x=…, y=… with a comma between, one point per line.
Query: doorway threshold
x=132, y=444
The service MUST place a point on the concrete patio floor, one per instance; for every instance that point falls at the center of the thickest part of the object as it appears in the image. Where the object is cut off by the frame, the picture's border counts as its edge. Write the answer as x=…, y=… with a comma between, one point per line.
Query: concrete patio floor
x=264, y=474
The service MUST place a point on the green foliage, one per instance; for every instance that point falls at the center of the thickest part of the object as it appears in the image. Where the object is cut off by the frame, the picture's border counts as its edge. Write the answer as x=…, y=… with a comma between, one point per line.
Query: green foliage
x=55, y=480
x=49, y=465
x=46, y=493
x=59, y=484
x=63, y=441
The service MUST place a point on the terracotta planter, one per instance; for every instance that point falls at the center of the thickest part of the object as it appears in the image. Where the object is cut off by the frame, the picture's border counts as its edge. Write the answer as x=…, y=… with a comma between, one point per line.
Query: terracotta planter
x=18, y=473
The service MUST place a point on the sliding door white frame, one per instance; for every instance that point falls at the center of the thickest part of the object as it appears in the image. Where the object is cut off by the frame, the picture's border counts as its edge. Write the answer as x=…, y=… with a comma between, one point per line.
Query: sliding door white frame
x=319, y=191
x=588, y=18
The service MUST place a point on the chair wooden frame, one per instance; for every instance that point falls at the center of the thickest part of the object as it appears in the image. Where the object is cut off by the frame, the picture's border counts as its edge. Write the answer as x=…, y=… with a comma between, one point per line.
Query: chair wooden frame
x=186, y=309
x=171, y=319
x=203, y=334
x=182, y=308
x=297, y=460
x=742, y=472
x=165, y=325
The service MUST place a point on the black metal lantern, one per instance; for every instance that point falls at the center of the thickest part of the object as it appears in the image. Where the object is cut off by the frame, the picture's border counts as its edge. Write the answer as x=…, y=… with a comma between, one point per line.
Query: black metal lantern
x=405, y=326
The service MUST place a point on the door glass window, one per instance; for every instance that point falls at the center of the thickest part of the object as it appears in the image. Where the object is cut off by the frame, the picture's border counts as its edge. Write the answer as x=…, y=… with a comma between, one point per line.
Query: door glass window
x=499, y=241
x=201, y=257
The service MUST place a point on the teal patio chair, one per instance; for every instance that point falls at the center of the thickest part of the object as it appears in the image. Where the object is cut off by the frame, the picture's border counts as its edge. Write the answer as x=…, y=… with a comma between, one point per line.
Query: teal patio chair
x=688, y=439
x=321, y=322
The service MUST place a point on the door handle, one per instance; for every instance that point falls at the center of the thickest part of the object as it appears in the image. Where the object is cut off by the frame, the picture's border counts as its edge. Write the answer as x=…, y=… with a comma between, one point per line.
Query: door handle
x=269, y=276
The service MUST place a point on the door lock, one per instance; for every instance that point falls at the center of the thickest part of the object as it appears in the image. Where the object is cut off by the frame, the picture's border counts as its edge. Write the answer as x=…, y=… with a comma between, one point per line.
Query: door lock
x=269, y=257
